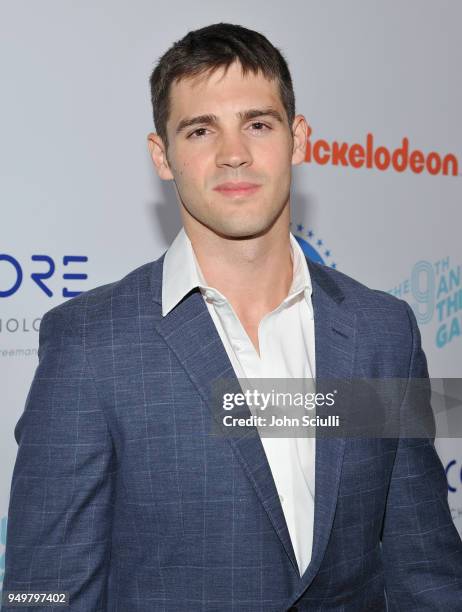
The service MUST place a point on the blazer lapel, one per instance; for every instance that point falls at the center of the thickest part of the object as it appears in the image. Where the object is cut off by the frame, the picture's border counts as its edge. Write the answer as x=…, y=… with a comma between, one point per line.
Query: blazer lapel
x=190, y=332
x=335, y=342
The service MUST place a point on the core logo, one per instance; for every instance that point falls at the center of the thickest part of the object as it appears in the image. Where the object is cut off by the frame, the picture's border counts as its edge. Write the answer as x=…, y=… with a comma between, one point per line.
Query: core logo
x=454, y=475
x=312, y=246
x=368, y=155
x=12, y=273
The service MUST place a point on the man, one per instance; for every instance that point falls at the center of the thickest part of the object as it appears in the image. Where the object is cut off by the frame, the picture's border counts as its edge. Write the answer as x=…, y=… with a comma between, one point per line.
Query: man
x=121, y=495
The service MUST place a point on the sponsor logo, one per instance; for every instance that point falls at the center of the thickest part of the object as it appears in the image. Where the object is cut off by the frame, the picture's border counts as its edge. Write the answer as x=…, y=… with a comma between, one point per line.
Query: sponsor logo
x=312, y=245
x=368, y=155
x=454, y=476
x=14, y=274
x=434, y=292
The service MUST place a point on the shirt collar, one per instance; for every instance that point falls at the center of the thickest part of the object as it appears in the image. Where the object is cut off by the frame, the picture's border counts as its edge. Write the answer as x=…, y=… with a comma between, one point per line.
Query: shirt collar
x=181, y=272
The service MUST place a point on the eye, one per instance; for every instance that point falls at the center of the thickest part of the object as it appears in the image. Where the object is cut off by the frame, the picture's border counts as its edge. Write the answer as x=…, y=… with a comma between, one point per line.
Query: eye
x=198, y=133
x=259, y=126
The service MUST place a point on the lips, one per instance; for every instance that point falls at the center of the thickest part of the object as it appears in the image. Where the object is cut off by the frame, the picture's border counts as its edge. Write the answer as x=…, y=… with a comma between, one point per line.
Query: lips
x=237, y=188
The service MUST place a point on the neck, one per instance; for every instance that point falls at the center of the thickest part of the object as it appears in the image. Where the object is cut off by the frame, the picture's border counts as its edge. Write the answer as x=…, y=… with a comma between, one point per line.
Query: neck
x=254, y=274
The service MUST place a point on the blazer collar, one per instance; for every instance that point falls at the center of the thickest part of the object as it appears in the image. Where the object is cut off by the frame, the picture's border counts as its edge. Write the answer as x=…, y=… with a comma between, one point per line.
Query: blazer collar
x=181, y=272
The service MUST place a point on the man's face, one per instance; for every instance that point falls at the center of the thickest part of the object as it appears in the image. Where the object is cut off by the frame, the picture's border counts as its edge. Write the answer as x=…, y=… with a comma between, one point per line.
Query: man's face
x=230, y=151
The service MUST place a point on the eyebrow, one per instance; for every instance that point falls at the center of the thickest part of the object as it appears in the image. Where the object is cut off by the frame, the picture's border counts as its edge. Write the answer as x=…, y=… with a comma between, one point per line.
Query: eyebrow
x=246, y=115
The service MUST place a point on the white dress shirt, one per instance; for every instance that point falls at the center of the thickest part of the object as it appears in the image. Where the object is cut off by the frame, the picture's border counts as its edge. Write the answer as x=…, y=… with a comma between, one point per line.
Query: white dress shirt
x=287, y=350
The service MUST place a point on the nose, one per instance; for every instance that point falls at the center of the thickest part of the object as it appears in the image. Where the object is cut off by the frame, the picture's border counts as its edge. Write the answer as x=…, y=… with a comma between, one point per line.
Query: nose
x=233, y=151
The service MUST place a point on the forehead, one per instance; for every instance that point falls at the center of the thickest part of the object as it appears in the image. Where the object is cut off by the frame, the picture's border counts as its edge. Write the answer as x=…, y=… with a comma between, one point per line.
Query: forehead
x=221, y=91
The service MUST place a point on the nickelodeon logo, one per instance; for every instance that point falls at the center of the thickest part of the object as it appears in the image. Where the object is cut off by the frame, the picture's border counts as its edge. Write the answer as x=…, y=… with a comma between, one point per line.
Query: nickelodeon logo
x=367, y=155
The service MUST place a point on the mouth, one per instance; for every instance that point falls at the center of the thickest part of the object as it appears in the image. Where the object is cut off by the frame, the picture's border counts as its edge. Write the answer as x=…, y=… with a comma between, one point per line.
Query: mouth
x=231, y=189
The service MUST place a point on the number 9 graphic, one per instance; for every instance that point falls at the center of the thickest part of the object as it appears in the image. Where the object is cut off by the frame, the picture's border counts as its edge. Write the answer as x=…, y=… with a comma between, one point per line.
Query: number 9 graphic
x=423, y=291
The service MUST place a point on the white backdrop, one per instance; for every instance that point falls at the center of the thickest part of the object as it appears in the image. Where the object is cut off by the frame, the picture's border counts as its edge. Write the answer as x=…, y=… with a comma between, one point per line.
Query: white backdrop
x=78, y=190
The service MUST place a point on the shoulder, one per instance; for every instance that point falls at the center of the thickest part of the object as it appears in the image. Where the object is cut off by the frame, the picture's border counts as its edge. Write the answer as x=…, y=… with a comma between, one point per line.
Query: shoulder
x=370, y=306
x=353, y=292
x=389, y=340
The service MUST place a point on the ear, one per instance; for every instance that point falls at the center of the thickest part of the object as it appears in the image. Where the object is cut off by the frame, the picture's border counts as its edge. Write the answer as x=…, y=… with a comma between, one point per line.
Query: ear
x=158, y=154
x=300, y=136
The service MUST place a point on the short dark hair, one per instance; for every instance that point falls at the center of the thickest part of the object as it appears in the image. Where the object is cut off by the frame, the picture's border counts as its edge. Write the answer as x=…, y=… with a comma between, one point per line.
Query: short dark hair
x=216, y=46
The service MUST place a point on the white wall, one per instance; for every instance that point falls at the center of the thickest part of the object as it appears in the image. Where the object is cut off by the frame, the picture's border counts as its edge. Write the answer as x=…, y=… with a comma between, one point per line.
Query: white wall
x=76, y=178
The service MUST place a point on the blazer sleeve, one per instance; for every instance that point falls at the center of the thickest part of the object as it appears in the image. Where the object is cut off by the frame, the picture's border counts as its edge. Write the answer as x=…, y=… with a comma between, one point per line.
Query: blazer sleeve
x=62, y=490
x=422, y=550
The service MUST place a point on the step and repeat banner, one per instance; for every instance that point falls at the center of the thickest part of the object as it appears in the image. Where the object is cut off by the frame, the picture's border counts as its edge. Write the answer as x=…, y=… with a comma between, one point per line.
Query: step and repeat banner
x=378, y=197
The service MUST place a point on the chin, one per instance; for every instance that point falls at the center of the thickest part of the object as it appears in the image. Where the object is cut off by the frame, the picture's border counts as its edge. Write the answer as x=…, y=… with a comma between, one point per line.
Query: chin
x=252, y=225
x=241, y=231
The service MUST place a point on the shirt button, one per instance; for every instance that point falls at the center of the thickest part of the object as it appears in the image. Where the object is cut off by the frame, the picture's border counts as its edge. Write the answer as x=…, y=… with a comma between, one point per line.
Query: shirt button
x=281, y=497
x=209, y=294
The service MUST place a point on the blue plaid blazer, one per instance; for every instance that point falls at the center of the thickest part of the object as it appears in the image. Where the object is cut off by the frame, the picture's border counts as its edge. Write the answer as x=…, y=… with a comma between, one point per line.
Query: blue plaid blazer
x=121, y=496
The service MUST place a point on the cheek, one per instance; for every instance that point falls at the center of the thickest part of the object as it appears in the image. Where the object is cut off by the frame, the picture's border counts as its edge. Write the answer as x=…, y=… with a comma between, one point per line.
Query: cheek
x=191, y=182
x=275, y=158
x=190, y=170
x=278, y=169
